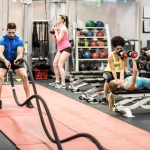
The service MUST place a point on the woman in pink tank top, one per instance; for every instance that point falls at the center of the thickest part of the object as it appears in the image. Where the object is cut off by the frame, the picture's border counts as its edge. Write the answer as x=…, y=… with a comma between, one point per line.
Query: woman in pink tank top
x=64, y=50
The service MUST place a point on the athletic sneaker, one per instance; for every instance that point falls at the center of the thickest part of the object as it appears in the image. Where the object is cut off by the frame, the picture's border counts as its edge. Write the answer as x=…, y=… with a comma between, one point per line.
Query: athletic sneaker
x=57, y=85
x=61, y=86
x=0, y=104
x=104, y=101
x=53, y=84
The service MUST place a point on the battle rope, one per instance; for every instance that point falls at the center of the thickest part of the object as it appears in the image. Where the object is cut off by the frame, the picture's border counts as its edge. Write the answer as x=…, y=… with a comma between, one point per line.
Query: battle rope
x=38, y=97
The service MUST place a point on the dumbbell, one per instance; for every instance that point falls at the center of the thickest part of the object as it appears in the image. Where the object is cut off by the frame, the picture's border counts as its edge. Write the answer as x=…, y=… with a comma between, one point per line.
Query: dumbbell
x=144, y=57
x=137, y=63
x=122, y=54
x=148, y=66
x=132, y=54
x=143, y=64
x=144, y=53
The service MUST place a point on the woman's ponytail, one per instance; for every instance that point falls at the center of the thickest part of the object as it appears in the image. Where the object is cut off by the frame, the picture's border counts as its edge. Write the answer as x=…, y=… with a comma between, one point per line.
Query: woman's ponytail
x=65, y=18
x=111, y=100
x=67, y=21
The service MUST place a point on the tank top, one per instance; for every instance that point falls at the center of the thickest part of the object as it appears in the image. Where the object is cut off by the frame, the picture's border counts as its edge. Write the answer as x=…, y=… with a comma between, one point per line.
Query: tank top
x=139, y=82
x=64, y=43
x=116, y=65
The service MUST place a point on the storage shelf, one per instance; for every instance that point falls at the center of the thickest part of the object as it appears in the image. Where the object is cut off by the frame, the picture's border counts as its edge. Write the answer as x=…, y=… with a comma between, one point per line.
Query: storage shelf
x=94, y=47
x=93, y=27
x=94, y=59
x=103, y=37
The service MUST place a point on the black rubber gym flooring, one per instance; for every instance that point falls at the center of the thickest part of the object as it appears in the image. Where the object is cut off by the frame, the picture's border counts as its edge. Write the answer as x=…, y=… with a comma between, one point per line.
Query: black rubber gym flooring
x=141, y=119
x=5, y=143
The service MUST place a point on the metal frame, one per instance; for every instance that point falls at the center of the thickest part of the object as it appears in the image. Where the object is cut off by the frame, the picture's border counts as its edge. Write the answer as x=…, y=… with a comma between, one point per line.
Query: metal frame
x=127, y=109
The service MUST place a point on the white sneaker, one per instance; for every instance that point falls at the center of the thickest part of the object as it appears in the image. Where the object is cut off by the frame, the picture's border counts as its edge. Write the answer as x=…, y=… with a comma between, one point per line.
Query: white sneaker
x=57, y=85
x=53, y=84
x=61, y=86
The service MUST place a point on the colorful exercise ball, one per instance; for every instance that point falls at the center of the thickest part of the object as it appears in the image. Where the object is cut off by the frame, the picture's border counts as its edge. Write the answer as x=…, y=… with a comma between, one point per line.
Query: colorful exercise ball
x=89, y=34
x=100, y=43
x=81, y=34
x=90, y=23
x=101, y=34
x=99, y=24
x=87, y=54
x=93, y=43
x=95, y=55
x=103, y=54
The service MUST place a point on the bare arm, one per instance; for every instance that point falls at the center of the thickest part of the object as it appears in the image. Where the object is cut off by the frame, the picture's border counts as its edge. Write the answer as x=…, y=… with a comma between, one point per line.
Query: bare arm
x=131, y=85
x=61, y=35
x=7, y=63
x=1, y=53
x=54, y=38
x=110, y=60
x=125, y=66
x=122, y=62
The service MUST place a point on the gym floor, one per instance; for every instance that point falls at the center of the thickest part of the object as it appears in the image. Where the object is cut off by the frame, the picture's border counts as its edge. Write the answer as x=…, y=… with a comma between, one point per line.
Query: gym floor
x=139, y=123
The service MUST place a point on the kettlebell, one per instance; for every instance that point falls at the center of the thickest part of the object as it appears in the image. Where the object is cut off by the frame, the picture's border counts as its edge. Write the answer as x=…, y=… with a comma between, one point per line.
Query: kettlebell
x=52, y=30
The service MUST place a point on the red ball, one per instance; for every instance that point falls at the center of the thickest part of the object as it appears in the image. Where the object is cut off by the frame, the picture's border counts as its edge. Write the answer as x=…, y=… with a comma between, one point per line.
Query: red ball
x=95, y=55
x=103, y=54
x=93, y=43
x=99, y=34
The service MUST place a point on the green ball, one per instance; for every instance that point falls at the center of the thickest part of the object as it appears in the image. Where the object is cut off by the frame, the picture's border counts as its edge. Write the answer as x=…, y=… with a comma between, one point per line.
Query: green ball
x=90, y=23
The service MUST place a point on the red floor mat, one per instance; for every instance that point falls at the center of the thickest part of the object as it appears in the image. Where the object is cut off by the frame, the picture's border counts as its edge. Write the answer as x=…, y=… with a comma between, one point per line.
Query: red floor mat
x=112, y=133
x=22, y=125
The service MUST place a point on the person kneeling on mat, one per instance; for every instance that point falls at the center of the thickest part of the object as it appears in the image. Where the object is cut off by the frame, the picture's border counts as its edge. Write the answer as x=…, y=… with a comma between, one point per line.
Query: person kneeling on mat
x=130, y=83
x=11, y=49
x=112, y=70
x=64, y=50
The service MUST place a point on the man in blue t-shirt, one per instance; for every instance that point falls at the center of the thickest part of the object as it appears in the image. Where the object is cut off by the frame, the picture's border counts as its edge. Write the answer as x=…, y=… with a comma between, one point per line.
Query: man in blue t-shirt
x=11, y=49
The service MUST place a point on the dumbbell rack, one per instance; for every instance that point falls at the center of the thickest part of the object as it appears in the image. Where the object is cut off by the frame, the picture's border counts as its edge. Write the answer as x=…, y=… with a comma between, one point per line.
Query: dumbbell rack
x=105, y=37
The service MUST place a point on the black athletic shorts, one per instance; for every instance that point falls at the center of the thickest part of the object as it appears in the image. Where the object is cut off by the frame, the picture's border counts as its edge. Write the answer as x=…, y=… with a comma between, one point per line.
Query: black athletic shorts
x=13, y=67
x=68, y=49
x=108, y=76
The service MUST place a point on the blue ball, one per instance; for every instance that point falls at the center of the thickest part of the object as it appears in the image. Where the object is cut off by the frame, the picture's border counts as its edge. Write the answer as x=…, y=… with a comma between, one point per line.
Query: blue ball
x=99, y=24
x=89, y=33
x=87, y=54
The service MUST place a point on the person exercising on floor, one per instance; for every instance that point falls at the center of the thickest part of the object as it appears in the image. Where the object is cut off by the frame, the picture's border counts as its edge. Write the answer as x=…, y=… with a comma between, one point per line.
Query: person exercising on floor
x=11, y=49
x=64, y=50
x=130, y=83
x=112, y=70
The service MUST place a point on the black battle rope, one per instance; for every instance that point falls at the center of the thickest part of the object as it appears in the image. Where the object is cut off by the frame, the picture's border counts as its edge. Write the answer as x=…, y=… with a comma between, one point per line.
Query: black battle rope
x=38, y=97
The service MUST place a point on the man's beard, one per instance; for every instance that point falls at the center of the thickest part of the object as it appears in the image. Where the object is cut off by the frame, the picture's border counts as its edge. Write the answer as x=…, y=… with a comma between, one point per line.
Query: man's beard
x=11, y=37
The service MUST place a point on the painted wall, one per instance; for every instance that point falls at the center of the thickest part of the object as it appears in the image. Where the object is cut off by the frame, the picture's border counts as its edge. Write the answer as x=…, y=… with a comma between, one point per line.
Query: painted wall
x=143, y=36
x=120, y=16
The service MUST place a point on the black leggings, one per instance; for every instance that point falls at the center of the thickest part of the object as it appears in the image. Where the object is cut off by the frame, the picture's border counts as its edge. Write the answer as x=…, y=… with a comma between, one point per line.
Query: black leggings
x=108, y=76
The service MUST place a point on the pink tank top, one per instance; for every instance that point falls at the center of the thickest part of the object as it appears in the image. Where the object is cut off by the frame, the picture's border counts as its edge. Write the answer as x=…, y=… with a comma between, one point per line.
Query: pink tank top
x=64, y=43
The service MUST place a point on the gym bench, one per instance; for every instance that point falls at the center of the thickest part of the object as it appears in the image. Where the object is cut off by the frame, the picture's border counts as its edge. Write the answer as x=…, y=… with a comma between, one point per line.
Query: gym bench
x=80, y=76
x=130, y=97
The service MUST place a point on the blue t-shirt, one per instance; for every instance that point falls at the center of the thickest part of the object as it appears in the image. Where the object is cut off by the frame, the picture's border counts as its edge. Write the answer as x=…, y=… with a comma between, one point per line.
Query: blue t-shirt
x=10, y=51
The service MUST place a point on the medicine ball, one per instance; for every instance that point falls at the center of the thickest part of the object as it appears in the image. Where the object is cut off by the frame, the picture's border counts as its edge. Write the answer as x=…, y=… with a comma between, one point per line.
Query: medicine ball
x=87, y=54
x=81, y=34
x=90, y=23
x=80, y=55
x=83, y=66
x=92, y=66
x=103, y=54
x=99, y=24
x=89, y=34
x=101, y=43
x=95, y=55
x=93, y=43
x=100, y=34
